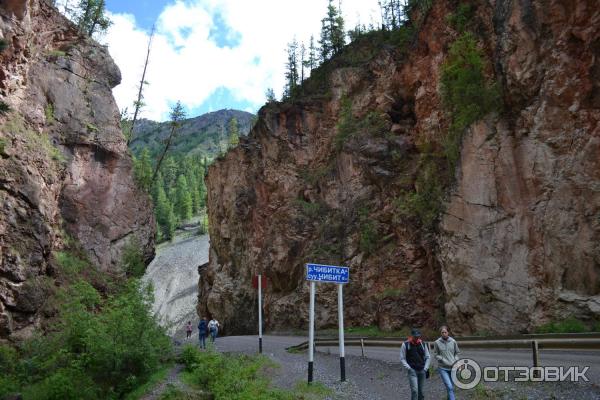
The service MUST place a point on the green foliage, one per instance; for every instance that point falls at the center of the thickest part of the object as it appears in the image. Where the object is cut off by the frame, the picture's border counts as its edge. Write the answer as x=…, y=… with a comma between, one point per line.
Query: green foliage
x=462, y=17
x=373, y=124
x=465, y=91
x=99, y=348
x=56, y=53
x=4, y=108
x=233, y=132
x=3, y=45
x=142, y=168
x=69, y=263
x=90, y=16
x=165, y=217
x=183, y=205
x=49, y=113
x=2, y=146
x=569, y=325
x=133, y=260
x=369, y=236
x=424, y=202
x=311, y=210
x=231, y=377
x=91, y=127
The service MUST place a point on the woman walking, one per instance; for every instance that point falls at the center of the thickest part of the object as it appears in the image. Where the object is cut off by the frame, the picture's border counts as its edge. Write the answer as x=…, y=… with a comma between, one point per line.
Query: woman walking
x=446, y=353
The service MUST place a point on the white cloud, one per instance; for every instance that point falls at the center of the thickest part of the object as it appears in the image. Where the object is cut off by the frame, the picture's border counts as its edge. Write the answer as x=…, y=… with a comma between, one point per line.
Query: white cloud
x=187, y=65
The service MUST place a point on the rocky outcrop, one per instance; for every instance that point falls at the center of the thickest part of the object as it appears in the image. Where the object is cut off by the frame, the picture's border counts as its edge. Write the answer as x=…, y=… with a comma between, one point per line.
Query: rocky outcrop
x=65, y=171
x=517, y=243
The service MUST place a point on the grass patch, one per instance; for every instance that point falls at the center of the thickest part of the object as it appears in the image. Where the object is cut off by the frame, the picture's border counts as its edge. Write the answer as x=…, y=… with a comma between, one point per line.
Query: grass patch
x=2, y=146
x=91, y=127
x=239, y=377
x=569, y=325
x=369, y=235
x=152, y=382
x=391, y=293
x=49, y=113
x=310, y=210
x=56, y=53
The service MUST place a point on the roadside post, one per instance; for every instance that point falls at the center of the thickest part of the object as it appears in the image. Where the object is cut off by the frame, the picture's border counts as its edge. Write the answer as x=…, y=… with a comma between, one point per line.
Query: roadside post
x=329, y=274
x=258, y=282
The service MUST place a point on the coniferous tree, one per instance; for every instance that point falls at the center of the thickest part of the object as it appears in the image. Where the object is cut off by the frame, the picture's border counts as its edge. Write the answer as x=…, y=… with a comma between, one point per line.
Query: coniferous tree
x=90, y=16
x=183, y=199
x=169, y=171
x=139, y=102
x=311, y=62
x=143, y=170
x=333, y=37
x=291, y=74
x=270, y=95
x=302, y=62
x=177, y=116
x=164, y=215
x=233, y=132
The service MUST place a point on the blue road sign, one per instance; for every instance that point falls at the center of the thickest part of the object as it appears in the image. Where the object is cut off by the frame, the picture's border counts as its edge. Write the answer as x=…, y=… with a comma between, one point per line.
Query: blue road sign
x=327, y=273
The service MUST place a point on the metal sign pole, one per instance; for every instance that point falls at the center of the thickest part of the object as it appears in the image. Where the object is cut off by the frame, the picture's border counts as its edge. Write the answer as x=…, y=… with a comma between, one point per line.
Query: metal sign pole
x=341, y=328
x=260, y=314
x=311, y=332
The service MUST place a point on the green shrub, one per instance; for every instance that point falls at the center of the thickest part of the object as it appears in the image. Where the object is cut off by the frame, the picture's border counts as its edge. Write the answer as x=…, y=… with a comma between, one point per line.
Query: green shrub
x=56, y=53
x=69, y=263
x=3, y=45
x=368, y=232
x=462, y=17
x=310, y=210
x=569, y=325
x=465, y=92
x=4, y=108
x=425, y=202
x=133, y=259
x=373, y=124
x=2, y=146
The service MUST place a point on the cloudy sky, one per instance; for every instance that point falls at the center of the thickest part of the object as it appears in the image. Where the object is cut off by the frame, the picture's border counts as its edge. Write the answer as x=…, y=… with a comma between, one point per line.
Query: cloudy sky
x=212, y=54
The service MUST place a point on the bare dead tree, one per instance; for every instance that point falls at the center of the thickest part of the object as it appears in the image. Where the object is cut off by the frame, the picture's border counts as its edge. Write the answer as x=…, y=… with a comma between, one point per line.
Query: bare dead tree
x=139, y=103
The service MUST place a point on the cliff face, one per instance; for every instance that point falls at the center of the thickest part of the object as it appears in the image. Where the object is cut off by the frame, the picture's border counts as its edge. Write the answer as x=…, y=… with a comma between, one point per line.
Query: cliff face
x=65, y=171
x=517, y=242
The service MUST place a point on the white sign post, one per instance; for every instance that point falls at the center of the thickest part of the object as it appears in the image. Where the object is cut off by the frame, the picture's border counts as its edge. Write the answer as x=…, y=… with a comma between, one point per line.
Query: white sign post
x=332, y=274
x=260, y=314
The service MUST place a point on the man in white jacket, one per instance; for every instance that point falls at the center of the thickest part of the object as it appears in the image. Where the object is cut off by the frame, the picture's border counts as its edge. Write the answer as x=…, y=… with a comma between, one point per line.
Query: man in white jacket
x=414, y=356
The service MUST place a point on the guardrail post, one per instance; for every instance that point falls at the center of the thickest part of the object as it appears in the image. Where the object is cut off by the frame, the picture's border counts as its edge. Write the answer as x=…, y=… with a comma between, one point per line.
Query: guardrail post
x=362, y=346
x=536, y=355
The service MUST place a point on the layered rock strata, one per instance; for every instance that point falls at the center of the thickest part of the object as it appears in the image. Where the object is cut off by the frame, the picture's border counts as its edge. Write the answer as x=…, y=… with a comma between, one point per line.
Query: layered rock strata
x=517, y=244
x=65, y=172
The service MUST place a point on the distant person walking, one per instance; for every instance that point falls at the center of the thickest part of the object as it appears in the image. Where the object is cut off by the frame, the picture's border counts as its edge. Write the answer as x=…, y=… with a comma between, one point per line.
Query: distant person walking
x=414, y=356
x=213, y=328
x=202, y=329
x=446, y=353
x=188, y=330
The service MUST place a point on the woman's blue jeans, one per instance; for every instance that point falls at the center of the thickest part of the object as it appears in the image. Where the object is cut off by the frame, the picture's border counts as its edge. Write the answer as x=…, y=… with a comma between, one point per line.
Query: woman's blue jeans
x=446, y=375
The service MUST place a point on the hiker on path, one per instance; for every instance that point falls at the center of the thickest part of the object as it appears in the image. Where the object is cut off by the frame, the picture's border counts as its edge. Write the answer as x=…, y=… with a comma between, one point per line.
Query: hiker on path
x=202, y=329
x=446, y=353
x=414, y=356
x=213, y=328
x=188, y=330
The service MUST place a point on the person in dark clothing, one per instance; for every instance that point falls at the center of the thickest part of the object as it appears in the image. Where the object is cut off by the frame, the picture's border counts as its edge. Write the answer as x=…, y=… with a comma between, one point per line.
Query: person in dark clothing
x=414, y=356
x=202, y=331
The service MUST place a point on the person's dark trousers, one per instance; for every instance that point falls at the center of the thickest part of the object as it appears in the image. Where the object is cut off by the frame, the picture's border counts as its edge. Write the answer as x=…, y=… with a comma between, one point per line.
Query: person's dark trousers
x=417, y=384
x=203, y=341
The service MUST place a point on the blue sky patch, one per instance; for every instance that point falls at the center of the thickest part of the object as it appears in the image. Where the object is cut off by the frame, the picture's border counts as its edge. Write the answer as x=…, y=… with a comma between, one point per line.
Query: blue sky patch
x=222, y=34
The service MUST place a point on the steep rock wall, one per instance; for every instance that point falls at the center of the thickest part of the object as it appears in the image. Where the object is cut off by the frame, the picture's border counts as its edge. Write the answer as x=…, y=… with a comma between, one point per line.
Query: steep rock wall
x=517, y=244
x=65, y=171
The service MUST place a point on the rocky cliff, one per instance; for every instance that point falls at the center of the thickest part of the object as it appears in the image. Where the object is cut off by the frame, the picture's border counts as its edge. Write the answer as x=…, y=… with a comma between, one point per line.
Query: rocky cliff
x=65, y=172
x=329, y=178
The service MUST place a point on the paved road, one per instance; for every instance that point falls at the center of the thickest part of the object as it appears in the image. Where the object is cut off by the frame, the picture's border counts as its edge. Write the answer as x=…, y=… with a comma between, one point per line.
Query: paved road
x=380, y=375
